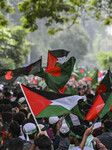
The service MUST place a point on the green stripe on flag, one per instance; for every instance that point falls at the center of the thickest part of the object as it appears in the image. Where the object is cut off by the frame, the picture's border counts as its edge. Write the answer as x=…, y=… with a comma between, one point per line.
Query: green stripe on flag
x=106, y=107
x=53, y=110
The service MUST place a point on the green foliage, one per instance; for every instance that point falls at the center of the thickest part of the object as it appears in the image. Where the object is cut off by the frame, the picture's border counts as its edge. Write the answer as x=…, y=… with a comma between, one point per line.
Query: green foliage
x=63, y=12
x=13, y=47
x=58, y=11
x=105, y=60
x=7, y=9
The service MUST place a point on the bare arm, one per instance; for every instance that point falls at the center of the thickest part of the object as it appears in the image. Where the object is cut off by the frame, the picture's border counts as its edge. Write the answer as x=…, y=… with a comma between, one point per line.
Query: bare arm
x=86, y=134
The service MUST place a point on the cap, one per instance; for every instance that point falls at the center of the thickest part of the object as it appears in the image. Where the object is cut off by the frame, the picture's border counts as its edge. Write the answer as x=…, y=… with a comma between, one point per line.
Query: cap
x=53, y=120
x=64, y=128
x=21, y=100
x=29, y=128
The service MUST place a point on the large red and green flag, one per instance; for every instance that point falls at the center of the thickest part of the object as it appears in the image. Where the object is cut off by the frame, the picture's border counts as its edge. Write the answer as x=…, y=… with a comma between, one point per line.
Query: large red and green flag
x=55, y=56
x=59, y=75
x=68, y=90
x=107, y=107
x=106, y=83
x=10, y=76
x=92, y=76
x=47, y=104
x=79, y=73
x=99, y=102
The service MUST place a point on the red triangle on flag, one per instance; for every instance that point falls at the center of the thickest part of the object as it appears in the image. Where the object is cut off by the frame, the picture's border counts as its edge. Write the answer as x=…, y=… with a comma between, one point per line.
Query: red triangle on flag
x=36, y=102
x=51, y=61
x=95, y=109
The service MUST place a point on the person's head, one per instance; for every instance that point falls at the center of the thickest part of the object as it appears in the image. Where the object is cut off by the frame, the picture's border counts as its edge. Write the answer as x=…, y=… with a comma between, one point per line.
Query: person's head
x=53, y=122
x=7, y=117
x=43, y=142
x=15, y=104
x=7, y=95
x=64, y=130
x=30, y=131
x=7, y=107
x=13, y=130
x=108, y=125
x=19, y=117
x=24, y=111
x=5, y=101
x=15, y=144
x=76, y=134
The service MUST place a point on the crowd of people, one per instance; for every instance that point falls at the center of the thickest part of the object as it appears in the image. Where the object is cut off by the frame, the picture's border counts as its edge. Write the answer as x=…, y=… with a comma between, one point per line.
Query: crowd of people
x=19, y=131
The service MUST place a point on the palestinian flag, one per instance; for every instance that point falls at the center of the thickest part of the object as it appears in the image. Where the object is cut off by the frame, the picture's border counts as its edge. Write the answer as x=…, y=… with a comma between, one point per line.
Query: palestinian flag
x=106, y=83
x=92, y=76
x=107, y=107
x=54, y=56
x=58, y=76
x=99, y=102
x=10, y=76
x=47, y=104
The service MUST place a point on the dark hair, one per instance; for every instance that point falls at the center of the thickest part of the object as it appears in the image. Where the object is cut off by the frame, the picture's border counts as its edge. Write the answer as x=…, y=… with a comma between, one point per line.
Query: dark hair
x=24, y=111
x=5, y=101
x=7, y=107
x=15, y=104
x=19, y=117
x=7, y=117
x=1, y=107
x=108, y=125
x=15, y=144
x=79, y=130
x=14, y=129
x=7, y=94
x=43, y=142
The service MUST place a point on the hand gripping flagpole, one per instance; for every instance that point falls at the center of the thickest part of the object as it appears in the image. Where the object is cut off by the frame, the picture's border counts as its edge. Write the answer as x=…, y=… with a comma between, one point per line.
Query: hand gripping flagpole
x=30, y=109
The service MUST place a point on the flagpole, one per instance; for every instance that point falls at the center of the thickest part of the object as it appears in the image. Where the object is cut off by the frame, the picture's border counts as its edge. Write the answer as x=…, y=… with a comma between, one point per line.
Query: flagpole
x=30, y=109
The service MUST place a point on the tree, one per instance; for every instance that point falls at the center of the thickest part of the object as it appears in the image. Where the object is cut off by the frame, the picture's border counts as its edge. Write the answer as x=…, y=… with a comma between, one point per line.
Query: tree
x=59, y=12
x=105, y=59
x=4, y=9
x=63, y=11
x=13, y=47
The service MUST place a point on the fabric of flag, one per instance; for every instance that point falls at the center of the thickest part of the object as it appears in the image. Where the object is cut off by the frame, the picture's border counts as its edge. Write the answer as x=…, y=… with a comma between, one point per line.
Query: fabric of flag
x=58, y=76
x=47, y=104
x=79, y=73
x=106, y=83
x=92, y=76
x=22, y=80
x=30, y=69
x=107, y=107
x=54, y=56
x=10, y=76
x=68, y=90
x=97, y=106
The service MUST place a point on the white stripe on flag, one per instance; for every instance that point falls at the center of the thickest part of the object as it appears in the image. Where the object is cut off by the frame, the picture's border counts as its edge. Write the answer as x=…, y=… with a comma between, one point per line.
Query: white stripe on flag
x=68, y=102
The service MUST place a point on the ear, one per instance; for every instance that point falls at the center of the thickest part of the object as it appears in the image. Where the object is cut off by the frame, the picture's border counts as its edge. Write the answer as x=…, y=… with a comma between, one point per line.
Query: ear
x=10, y=135
x=76, y=141
x=35, y=135
x=51, y=147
